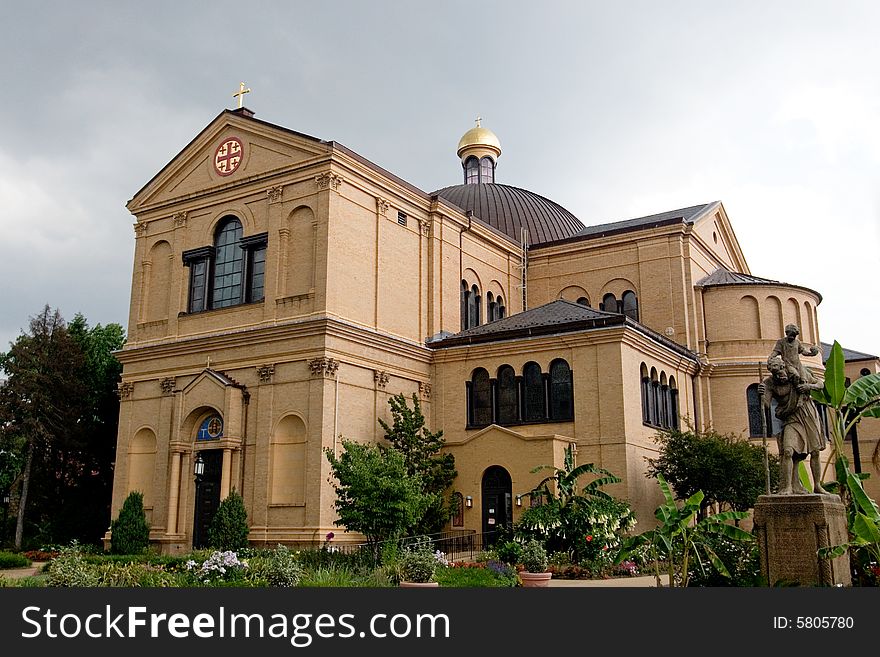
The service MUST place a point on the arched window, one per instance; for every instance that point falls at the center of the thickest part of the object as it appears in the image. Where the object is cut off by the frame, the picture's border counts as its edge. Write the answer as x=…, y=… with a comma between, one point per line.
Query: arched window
x=674, y=411
x=508, y=399
x=481, y=398
x=490, y=307
x=534, y=402
x=584, y=301
x=487, y=170
x=471, y=171
x=630, y=305
x=753, y=403
x=465, y=305
x=500, y=310
x=646, y=394
x=663, y=402
x=228, y=264
x=474, y=307
x=458, y=505
x=654, y=398
x=609, y=304
x=561, y=398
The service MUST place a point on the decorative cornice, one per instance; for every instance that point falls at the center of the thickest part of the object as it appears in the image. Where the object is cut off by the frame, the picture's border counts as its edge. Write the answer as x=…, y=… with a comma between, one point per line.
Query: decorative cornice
x=424, y=390
x=425, y=225
x=265, y=372
x=179, y=219
x=124, y=389
x=274, y=193
x=140, y=229
x=326, y=180
x=381, y=378
x=325, y=367
x=167, y=384
x=381, y=205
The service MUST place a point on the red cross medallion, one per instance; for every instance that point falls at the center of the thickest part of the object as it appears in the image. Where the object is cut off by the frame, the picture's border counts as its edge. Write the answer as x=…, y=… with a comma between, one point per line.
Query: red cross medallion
x=228, y=156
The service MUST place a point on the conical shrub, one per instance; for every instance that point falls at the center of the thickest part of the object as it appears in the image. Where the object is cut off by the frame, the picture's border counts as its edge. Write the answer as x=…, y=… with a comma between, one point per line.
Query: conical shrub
x=229, y=527
x=130, y=533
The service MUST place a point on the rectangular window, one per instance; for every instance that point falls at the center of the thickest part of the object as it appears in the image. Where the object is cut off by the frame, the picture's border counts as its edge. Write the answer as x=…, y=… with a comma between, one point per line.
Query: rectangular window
x=257, y=274
x=199, y=263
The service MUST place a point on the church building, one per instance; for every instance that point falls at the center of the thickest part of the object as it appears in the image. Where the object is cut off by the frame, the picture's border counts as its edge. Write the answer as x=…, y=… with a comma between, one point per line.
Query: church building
x=284, y=287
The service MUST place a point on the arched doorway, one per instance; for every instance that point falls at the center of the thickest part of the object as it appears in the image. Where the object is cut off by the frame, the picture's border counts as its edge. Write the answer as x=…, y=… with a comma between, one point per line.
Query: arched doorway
x=208, y=484
x=497, y=502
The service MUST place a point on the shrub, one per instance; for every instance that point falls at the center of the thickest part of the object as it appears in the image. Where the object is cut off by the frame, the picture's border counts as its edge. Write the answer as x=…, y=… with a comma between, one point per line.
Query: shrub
x=130, y=533
x=229, y=527
x=278, y=567
x=219, y=567
x=477, y=575
x=509, y=552
x=71, y=569
x=418, y=563
x=12, y=560
x=128, y=575
x=534, y=557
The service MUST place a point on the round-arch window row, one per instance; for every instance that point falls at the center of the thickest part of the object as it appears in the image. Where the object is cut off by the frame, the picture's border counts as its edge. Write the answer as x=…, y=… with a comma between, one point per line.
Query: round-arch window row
x=531, y=396
x=659, y=399
x=471, y=306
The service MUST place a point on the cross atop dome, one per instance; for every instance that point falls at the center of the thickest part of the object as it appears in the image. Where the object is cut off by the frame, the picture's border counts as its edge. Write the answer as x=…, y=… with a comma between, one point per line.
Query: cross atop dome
x=479, y=150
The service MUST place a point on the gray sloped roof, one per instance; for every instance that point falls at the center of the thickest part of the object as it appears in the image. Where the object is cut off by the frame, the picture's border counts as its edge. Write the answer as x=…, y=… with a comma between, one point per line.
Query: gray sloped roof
x=558, y=316
x=723, y=276
x=848, y=354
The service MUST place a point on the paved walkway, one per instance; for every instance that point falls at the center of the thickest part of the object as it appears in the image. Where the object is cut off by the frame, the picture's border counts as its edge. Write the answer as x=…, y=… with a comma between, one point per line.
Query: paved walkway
x=18, y=573
x=635, y=582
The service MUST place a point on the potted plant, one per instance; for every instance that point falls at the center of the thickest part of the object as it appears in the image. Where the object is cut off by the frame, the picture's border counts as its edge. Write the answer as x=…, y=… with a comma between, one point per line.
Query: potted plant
x=417, y=566
x=534, y=560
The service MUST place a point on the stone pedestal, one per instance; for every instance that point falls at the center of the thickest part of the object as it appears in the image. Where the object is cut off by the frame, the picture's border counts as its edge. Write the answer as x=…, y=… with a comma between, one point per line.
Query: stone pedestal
x=791, y=529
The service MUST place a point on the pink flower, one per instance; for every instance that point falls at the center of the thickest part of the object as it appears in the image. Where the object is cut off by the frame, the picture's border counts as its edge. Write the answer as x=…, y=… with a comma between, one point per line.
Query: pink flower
x=330, y=535
x=589, y=537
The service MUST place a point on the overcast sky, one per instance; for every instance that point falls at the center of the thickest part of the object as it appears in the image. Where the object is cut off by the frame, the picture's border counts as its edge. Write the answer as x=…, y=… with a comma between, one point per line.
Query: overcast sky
x=614, y=110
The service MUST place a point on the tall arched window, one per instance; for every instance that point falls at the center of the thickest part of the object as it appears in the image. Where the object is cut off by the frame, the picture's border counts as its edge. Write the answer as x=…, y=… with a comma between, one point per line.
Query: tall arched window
x=228, y=264
x=490, y=307
x=630, y=305
x=481, y=398
x=465, y=305
x=674, y=411
x=654, y=398
x=646, y=394
x=458, y=505
x=471, y=171
x=508, y=399
x=583, y=301
x=534, y=399
x=561, y=398
x=609, y=304
x=487, y=170
x=500, y=310
x=663, y=402
x=753, y=403
x=474, y=307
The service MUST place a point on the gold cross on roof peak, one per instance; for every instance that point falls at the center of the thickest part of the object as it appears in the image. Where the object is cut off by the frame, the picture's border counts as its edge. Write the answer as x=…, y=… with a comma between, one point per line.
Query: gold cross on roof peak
x=479, y=121
x=240, y=94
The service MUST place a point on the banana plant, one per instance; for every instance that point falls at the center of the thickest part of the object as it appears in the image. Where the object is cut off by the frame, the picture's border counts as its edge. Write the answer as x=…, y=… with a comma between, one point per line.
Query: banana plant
x=566, y=477
x=847, y=405
x=678, y=538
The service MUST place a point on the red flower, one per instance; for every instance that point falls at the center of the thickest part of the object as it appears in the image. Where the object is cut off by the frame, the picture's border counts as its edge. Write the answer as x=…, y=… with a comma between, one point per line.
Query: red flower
x=589, y=537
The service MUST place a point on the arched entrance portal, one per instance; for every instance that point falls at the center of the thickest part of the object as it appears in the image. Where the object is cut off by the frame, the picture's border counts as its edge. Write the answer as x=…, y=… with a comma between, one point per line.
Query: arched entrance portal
x=497, y=504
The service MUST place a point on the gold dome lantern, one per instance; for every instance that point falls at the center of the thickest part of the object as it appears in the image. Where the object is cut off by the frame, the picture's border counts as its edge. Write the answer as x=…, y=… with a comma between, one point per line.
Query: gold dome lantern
x=479, y=141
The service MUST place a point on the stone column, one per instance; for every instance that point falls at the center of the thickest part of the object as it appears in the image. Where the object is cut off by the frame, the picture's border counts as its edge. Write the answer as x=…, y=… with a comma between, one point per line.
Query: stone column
x=791, y=529
x=227, y=474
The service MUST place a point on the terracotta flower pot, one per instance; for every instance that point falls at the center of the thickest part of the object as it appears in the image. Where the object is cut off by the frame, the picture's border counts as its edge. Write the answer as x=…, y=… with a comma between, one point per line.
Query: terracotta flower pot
x=414, y=585
x=535, y=579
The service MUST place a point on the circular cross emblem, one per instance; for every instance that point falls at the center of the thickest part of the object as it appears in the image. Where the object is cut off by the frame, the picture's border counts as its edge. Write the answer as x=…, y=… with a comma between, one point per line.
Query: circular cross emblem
x=228, y=156
x=211, y=428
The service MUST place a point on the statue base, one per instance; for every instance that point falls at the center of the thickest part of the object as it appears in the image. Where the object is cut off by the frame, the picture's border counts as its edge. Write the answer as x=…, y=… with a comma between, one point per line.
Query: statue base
x=790, y=531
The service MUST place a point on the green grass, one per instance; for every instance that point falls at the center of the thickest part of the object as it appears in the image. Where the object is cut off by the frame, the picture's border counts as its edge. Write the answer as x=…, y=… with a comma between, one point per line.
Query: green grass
x=13, y=560
x=473, y=578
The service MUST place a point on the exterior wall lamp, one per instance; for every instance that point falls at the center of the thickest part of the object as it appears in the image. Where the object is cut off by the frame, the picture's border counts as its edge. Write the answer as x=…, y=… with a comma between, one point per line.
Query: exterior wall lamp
x=199, y=467
x=469, y=501
x=519, y=500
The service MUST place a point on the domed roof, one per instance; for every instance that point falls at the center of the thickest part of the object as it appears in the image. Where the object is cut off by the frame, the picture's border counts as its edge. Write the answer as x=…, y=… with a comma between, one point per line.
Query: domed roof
x=509, y=209
x=478, y=136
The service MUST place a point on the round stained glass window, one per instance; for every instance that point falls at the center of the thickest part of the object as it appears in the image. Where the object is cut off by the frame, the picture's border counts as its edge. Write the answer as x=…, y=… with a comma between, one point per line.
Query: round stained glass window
x=211, y=429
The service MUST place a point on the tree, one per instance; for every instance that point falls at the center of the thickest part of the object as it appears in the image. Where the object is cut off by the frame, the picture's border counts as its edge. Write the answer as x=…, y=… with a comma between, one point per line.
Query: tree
x=229, y=527
x=420, y=449
x=375, y=495
x=42, y=400
x=729, y=471
x=58, y=415
x=130, y=533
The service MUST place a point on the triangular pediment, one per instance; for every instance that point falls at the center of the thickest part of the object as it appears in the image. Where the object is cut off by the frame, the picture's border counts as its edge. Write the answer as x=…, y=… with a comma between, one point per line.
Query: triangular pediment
x=233, y=148
x=496, y=431
x=716, y=232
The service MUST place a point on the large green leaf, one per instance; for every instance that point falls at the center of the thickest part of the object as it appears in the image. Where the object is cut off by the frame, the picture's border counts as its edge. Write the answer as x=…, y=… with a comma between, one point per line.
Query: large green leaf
x=835, y=377
x=804, y=476
x=833, y=551
x=872, y=411
x=716, y=561
x=864, y=503
x=863, y=391
x=667, y=492
x=866, y=529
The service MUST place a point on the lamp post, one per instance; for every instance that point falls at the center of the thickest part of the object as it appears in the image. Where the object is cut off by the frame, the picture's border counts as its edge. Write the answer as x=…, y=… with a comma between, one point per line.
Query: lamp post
x=198, y=472
x=199, y=468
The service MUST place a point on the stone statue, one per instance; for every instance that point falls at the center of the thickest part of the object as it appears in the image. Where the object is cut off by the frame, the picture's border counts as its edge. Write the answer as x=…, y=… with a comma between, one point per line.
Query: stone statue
x=802, y=433
x=790, y=350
